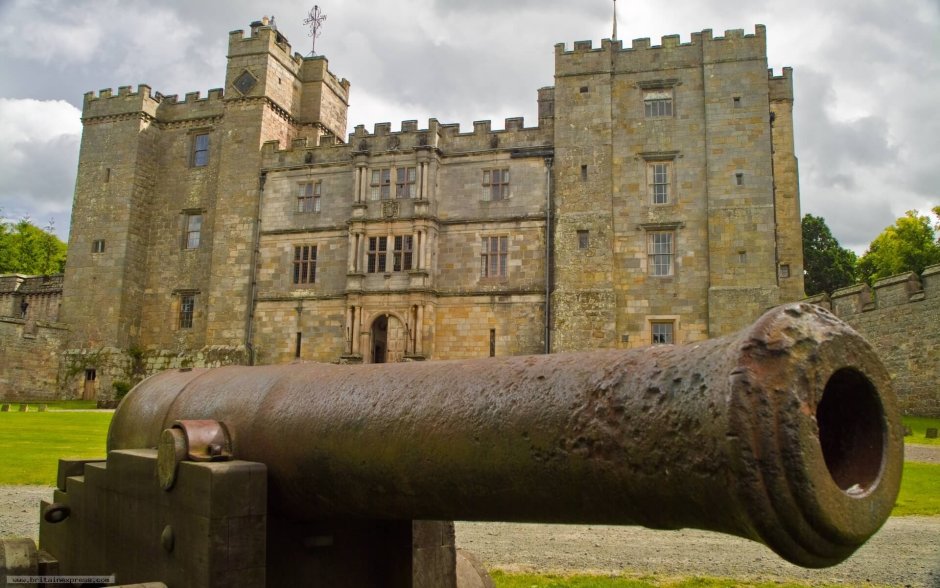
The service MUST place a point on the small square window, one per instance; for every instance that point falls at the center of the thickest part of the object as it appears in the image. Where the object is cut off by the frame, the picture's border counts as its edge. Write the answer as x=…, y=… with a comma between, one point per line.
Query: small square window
x=305, y=264
x=657, y=103
x=742, y=256
x=584, y=89
x=402, y=252
x=308, y=199
x=187, y=309
x=493, y=257
x=381, y=184
x=736, y=101
x=583, y=239
x=405, y=182
x=660, y=252
x=663, y=332
x=200, y=154
x=495, y=184
x=739, y=179
x=784, y=270
x=376, y=257
x=192, y=230
x=97, y=246
x=660, y=174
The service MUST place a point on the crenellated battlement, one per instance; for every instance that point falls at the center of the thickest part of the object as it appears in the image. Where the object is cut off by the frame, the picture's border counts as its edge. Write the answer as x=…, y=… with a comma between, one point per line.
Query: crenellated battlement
x=316, y=69
x=262, y=38
x=703, y=47
x=143, y=91
x=900, y=317
x=781, y=87
x=107, y=104
x=886, y=293
x=446, y=138
x=190, y=98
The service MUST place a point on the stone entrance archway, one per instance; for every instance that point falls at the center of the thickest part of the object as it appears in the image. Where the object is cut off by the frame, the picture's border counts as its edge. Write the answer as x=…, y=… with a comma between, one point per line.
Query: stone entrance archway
x=388, y=339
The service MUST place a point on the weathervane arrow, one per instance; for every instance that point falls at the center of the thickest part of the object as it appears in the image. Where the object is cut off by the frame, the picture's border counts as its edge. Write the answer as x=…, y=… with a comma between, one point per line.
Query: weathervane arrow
x=314, y=20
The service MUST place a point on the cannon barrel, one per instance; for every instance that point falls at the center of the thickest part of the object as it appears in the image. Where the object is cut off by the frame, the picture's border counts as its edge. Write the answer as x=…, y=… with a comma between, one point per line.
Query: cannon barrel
x=786, y=433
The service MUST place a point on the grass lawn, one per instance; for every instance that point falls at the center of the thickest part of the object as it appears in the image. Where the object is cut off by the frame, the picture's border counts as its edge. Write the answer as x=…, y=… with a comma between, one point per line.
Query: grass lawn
x=920, y=490
x=55, y=405
x=31, y=443
x=919, y=426
x=506, y=580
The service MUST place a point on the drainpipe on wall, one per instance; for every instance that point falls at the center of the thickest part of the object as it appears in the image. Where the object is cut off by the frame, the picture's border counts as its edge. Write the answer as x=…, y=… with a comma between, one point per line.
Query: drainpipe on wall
x=253, y=285
x=549, y=258
x=773, y=180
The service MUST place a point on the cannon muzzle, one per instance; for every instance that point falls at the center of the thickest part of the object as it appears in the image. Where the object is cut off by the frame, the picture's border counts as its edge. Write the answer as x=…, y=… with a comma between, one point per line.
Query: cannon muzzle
x=786, y=433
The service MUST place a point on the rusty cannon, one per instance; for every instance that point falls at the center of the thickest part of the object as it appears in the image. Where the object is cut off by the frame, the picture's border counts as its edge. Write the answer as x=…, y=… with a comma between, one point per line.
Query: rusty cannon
x=786, y=433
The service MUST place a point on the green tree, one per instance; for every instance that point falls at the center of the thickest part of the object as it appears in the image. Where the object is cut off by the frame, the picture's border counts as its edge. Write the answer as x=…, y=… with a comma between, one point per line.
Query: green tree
x=909, y=245
x=827, y=266
x=6, y=251
x=27, y=249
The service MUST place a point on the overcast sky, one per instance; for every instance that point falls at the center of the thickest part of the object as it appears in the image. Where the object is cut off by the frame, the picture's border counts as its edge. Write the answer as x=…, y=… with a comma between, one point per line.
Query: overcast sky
x=866, y=76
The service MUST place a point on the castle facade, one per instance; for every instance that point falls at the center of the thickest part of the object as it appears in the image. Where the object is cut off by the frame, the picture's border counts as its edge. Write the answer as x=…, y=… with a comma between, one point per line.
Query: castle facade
x=655, y=201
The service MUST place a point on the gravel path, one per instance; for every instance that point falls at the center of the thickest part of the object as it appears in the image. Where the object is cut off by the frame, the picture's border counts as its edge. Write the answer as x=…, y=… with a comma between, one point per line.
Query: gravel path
x=922, y=453
x=906, y=552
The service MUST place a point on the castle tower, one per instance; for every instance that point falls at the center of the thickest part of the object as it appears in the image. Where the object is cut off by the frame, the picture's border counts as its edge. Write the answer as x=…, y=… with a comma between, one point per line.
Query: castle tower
x=669, y=228
x=584, y=300
x=786, y=189
x=271, y=95
x=165, y=217
x=740, y=179
x=111, y=214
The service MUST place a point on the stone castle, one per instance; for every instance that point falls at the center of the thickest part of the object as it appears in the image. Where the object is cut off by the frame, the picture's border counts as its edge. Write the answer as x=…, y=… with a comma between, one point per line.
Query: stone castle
x=655, y=201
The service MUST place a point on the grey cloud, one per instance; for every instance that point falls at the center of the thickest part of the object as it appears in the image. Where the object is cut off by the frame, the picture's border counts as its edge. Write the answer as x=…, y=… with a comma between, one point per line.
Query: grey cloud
x=459, y=61
x=487, y=8
x=833, y=143
x=854, y=218
x=42, y=186
x=841, y=181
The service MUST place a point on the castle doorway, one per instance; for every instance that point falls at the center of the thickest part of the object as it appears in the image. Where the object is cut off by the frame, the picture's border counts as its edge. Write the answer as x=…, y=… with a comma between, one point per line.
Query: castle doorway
x=90, y=390
x=388, y=339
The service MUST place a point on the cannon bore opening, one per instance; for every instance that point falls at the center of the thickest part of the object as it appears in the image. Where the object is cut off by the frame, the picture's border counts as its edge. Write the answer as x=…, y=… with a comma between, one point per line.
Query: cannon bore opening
x=852, y=431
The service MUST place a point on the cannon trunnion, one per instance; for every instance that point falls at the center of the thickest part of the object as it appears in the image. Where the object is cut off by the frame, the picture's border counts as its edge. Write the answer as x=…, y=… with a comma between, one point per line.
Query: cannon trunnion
x=786, y=433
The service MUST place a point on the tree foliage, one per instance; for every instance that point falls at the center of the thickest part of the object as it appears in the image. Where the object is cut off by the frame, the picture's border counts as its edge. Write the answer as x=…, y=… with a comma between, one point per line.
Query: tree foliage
x=27, y=249
x=909, y=245
x=827, y=266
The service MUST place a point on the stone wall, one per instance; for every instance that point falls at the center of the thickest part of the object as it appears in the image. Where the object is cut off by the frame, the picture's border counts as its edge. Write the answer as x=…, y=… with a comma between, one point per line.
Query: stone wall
x=188, y=216
x=733, y=233
x=30, y=336
x=900, y=316
x=128, y=366
x=29, y=358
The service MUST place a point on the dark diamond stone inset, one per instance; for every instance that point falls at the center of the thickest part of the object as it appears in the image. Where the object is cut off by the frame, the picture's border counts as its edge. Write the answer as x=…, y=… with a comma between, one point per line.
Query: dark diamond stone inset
x=245, y=82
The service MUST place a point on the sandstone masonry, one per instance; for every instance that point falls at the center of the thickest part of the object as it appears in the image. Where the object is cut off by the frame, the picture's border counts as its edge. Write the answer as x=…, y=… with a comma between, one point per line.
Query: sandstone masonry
x=31, y=336
x=900, y=316
x=655, y=201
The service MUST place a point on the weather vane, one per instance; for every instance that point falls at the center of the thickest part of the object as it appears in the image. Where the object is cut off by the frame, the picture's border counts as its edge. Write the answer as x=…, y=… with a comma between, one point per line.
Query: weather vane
x=315, y=21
